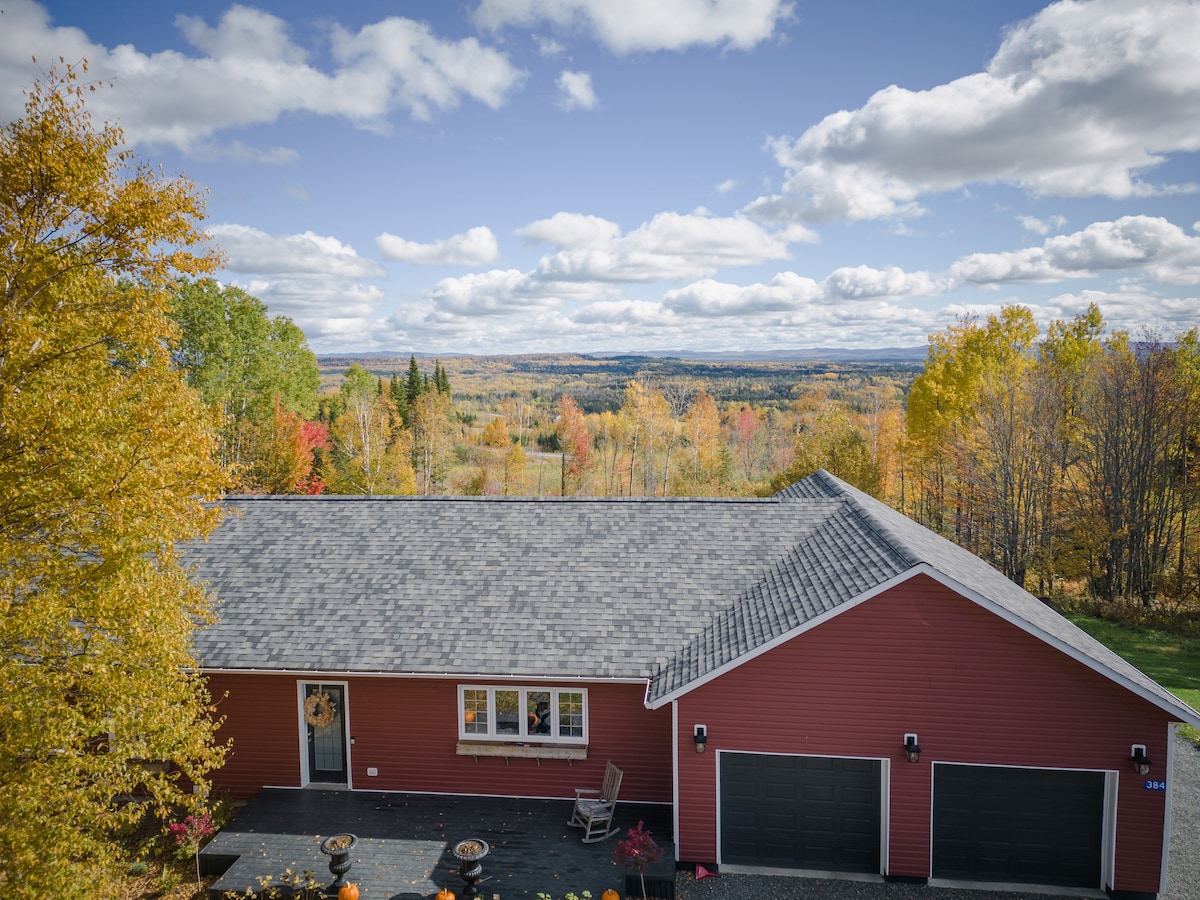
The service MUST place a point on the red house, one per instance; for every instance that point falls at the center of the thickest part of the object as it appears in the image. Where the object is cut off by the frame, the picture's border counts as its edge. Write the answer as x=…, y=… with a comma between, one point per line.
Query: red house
x=813, y=681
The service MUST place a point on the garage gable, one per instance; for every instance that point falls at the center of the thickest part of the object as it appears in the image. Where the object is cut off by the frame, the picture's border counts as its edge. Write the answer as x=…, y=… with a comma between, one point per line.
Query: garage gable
x=864, y=550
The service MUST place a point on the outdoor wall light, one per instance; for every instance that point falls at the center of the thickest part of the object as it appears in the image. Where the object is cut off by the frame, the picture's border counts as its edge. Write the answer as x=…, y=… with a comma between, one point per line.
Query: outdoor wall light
x=1141, y=763
x=912, y=750
x=700, y=736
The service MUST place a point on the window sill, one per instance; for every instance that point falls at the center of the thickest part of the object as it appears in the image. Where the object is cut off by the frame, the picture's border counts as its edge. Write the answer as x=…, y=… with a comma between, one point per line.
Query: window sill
x=521, y=751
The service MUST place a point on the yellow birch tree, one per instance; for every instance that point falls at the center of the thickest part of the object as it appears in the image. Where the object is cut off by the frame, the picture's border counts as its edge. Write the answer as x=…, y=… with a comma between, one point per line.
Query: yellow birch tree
x=106, y=461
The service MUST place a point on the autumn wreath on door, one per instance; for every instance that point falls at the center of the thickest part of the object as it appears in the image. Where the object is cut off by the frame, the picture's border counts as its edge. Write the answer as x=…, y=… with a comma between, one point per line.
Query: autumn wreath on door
x=319, y=710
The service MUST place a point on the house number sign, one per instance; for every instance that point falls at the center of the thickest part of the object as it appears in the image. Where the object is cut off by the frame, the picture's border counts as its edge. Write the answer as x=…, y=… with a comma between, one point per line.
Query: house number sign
x=1156, y=785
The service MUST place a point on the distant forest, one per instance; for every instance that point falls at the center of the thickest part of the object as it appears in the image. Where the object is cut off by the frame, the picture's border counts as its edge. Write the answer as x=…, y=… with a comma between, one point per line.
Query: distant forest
x=1067, y=457
x=597, y=383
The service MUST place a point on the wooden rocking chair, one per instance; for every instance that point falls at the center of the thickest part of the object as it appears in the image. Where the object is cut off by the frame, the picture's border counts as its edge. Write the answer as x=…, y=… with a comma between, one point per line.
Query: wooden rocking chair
x=594, y=814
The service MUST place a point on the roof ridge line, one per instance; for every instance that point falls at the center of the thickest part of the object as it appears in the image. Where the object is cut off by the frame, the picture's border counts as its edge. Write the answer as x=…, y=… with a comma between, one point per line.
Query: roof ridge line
x=856, y=498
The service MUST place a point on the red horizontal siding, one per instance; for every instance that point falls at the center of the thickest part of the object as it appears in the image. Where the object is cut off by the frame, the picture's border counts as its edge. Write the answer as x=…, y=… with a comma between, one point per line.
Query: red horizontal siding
x=267, y=753
x=975, y=688
x=407, y=730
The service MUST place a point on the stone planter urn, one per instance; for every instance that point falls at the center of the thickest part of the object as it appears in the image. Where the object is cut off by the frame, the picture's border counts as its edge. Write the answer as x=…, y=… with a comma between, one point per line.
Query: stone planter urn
x=469, y=853
x=337, y=847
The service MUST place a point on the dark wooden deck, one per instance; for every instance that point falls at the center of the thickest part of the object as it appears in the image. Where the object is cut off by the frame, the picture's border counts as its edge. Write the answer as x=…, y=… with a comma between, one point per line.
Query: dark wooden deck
x=403, y=851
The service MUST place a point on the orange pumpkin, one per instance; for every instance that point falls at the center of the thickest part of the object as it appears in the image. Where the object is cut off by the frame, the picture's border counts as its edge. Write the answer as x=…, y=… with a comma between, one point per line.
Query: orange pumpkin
x=348, y=891
x=469, y=716
x=610, y=894
x=445, y=894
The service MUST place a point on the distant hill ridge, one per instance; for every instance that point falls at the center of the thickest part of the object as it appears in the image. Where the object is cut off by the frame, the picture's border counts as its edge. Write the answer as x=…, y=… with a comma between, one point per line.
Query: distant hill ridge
x=809, y=354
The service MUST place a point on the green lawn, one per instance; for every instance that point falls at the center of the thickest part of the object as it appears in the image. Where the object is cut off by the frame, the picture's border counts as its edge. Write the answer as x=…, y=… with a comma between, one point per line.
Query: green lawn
x=1171, y=660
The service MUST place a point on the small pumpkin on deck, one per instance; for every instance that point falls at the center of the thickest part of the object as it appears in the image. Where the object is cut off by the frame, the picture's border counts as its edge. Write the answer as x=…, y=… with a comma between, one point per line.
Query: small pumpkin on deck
x=610, y=894
x=348, y=891
x=445, y=894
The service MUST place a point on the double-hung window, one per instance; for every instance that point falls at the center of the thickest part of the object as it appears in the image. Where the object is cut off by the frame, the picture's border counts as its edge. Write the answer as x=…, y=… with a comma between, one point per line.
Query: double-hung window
x=526, y=714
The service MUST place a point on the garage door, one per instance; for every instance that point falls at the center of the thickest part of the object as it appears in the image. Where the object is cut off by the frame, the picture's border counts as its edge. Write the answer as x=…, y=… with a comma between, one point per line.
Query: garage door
x=800, y=812
x=1033, y=826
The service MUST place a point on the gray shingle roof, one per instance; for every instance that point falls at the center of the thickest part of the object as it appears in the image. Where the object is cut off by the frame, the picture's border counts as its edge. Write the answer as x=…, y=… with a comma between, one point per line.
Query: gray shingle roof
x=666, y=589
x=539, y=587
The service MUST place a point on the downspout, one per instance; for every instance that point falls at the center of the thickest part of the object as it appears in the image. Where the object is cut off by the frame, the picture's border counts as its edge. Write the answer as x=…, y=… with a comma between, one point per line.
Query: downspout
x=675, y=775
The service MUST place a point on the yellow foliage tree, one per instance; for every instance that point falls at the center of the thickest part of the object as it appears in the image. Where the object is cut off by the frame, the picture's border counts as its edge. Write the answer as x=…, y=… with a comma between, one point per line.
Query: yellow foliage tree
x=372, y=447
x=705, y=468
x=106, y=461
x=495, y=435
x=515, y=481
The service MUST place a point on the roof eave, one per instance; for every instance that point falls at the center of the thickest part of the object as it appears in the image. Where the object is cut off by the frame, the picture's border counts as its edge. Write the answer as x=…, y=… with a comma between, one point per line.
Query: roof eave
x=383, y=673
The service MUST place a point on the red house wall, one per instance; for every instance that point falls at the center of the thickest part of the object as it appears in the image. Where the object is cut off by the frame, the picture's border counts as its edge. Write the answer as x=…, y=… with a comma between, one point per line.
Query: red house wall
x=975, y=689
x=407, y=729
x=268, y=752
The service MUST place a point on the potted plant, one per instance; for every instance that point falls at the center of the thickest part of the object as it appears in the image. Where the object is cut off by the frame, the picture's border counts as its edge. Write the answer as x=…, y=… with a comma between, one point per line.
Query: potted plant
x=637, y=851
x=337, y=847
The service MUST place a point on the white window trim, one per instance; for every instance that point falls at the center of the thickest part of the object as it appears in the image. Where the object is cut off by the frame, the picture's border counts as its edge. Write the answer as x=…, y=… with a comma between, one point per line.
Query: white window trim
x=523, y=737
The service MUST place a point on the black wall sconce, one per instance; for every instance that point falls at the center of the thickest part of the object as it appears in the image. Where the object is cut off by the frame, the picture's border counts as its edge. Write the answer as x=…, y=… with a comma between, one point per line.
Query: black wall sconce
x=700, y=736
x=1141, y=763
x=912, y=750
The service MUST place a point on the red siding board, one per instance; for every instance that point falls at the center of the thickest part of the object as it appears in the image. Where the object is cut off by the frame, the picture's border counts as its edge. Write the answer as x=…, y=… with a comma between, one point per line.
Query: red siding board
x=407, y=729
x=976, y=689
x=267, y=753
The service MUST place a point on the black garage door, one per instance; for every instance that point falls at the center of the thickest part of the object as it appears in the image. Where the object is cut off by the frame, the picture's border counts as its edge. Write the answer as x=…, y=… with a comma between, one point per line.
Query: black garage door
x=1033, y=826
x=800, y=812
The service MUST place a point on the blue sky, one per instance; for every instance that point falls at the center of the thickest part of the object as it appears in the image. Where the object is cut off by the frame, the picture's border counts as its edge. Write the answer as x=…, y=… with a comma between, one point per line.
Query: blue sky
x=505, y=176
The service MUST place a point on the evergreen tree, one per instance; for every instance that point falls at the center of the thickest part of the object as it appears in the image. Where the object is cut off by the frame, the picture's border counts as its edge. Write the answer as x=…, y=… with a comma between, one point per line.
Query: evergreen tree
x=415, y=384
x=441, y=380
x=399, y=397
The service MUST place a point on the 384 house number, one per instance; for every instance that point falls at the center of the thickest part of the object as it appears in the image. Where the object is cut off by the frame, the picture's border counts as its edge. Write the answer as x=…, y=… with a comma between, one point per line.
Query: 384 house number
x=1156, y=785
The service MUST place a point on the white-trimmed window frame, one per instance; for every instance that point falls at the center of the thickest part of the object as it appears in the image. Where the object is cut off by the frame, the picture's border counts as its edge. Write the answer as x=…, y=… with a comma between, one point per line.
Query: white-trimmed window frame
x=523, y=735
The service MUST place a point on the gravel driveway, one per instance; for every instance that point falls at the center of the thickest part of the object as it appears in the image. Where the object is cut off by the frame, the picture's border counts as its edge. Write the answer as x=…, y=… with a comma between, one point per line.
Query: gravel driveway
x=1183, y=879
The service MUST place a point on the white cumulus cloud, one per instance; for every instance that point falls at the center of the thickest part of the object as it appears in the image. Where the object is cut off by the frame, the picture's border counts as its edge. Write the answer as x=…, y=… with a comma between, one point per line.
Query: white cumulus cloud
x=786, y=291
x=565, y=229
x=1079, y=100
x=251, y=72
x=253, y=251
x=494, y=293
x=317, y=280
x=1149, y=243
x=671, y=246
x=475, y=247
x=575, y=90
x=629, y=26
